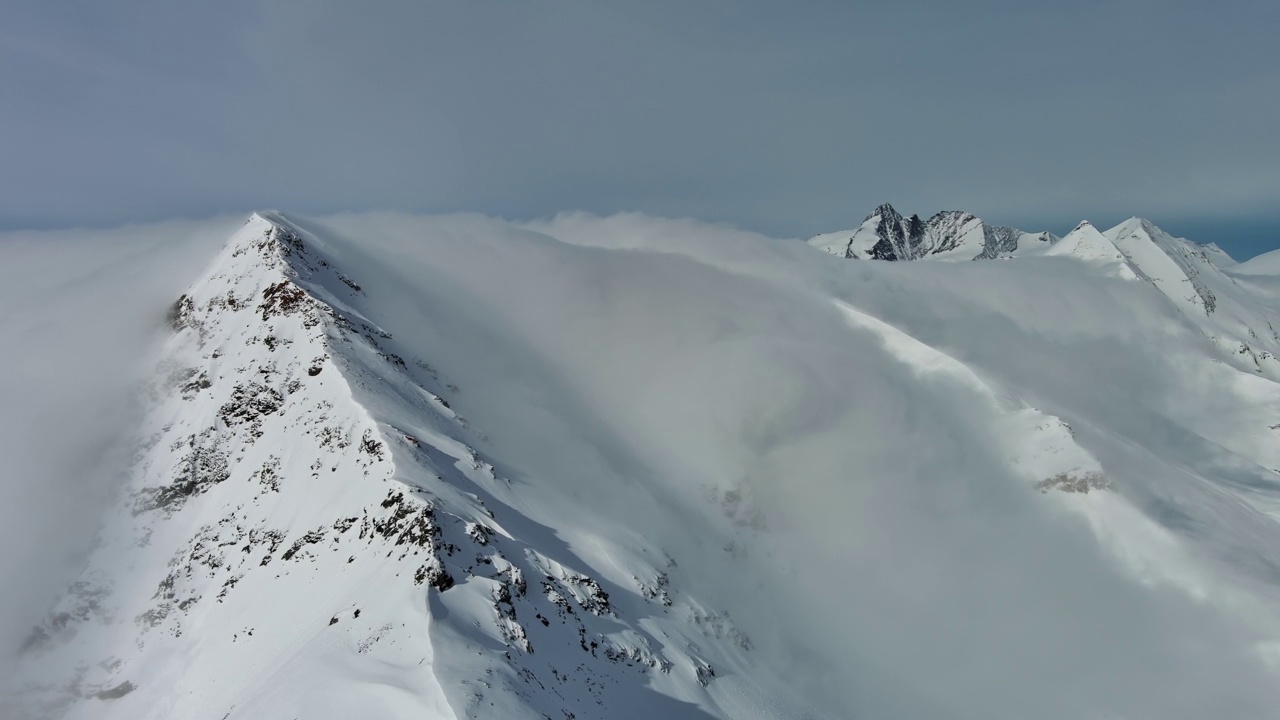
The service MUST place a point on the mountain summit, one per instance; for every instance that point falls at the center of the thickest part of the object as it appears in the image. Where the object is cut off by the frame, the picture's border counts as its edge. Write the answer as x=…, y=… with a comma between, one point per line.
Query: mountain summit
x=304, y=501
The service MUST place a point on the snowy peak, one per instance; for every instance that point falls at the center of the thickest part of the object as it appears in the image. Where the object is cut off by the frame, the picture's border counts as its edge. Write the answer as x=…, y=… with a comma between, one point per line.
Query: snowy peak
x=954, y=233
x=1192, y=277
x=884, y=235
x=1177, y=267
x=897, y=238
x=947, y=235
x=1188, y=274
x=1084, y=242
x=303, y=496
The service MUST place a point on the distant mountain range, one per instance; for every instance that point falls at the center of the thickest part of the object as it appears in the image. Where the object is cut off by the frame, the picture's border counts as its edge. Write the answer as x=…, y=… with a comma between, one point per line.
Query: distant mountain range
x=1189, y=274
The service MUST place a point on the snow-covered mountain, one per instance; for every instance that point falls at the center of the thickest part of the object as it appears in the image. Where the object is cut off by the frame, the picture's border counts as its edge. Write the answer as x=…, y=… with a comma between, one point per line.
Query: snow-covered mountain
x=303, y=501
x=394, y=466
x=1201, y=280
x=1086, y=243
x=1191, y=275
x=948, y=235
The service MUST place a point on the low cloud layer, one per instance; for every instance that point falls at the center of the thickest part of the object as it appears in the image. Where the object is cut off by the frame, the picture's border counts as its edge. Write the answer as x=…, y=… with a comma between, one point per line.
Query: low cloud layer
x=80, y=312
x=906, y=567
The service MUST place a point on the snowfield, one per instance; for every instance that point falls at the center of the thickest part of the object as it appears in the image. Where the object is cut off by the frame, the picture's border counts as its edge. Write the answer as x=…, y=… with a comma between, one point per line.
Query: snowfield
x=453, y=467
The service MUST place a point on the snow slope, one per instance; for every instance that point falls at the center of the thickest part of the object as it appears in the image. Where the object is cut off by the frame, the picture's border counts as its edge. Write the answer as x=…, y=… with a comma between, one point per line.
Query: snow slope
x=627, y=467
x=1085, y=243
x=1265, y=264
x=1189, y=274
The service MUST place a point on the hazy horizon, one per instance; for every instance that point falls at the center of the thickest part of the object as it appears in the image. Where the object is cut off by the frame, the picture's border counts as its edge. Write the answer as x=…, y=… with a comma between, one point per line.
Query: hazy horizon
x=786, y=122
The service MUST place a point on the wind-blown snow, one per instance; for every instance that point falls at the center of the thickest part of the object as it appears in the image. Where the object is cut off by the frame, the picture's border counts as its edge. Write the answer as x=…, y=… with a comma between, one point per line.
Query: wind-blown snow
x=803, y=486
x=79, y=312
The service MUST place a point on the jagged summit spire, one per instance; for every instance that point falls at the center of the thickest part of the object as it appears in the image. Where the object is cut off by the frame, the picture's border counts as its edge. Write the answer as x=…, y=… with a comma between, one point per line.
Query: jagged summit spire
x=883, y=210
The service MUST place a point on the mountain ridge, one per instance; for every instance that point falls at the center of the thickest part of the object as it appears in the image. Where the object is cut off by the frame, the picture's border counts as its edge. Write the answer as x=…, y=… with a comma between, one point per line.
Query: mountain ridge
x=270, y=350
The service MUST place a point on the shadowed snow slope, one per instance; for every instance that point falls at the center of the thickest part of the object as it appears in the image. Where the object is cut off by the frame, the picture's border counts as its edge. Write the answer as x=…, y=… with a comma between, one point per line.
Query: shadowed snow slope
x=424, y=467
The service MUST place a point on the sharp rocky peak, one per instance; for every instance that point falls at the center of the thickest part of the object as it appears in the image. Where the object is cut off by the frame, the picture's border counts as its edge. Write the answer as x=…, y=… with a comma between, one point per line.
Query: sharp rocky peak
x=886, y=234
x=300, y=481
x=884, y=210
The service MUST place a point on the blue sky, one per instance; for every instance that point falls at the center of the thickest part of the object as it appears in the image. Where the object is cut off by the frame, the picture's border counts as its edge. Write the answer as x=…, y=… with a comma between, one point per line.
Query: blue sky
x=789, y=118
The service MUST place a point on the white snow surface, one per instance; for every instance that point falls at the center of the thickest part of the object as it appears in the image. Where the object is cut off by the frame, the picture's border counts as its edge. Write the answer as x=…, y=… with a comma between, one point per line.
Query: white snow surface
x=1267, y=263
x=1084, y=242
x=445, y=467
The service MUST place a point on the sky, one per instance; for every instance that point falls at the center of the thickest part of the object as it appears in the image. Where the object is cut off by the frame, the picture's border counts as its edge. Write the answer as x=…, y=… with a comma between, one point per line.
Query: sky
x=784, y=118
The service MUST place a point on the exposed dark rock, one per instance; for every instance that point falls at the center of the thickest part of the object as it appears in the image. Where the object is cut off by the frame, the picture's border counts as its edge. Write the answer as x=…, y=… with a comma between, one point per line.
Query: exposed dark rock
x=203, y=466
x=310, y=538
x=434, y=575
x=998, y=240
x=249, y=402
x=1072, y=483
x=704, y=672
x=182, y=313
x=900, y=239
x=283, y=298
x=118, y=691
x=658, y=590
x=371, y=446
x=349, y=282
